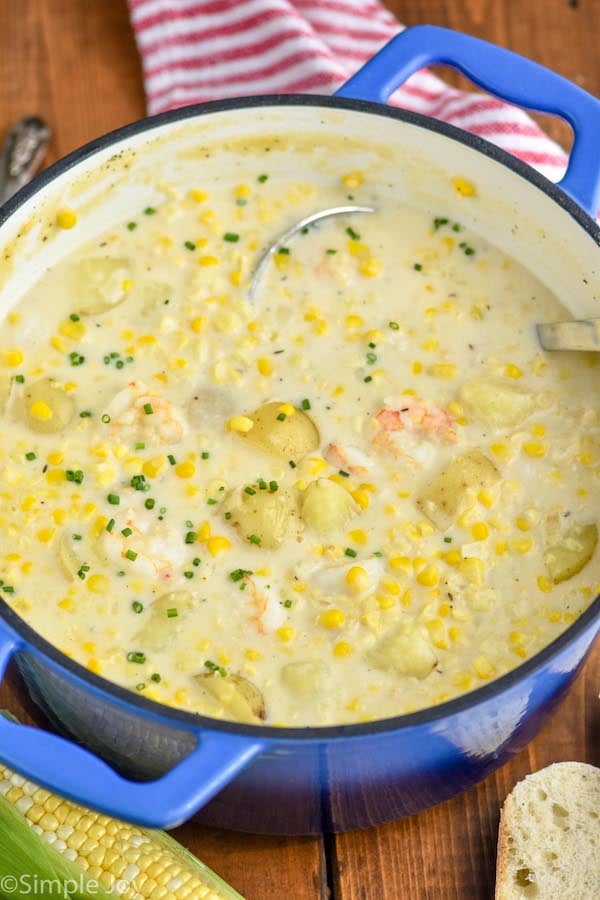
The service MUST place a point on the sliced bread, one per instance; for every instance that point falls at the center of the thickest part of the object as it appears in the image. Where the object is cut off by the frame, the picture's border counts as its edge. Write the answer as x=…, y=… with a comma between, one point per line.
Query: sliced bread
x=549, y=838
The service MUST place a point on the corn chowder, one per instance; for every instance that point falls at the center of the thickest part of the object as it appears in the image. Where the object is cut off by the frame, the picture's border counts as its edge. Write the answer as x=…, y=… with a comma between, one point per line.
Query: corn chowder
x=360, y=495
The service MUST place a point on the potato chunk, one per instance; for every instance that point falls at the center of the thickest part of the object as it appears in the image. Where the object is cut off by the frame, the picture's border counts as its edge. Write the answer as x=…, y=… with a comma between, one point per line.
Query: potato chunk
x=574, y=551
x=265, y=518
x=450, y=493
x=47, y=407
x=161, y=622
x=405, y=652
x=497, y=403
x=240, y=699
x=6, y=384
x=71, y=563
x=100, y=283
x=306, y=678
x=290, y=437
x=327, y=506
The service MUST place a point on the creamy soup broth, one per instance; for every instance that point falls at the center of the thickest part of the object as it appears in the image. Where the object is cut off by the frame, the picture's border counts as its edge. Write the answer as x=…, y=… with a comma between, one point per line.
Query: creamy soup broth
x=362, y=494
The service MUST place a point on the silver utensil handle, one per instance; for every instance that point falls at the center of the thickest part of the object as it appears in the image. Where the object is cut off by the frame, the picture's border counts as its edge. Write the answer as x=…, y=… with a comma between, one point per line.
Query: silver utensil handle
x=583, y=334
x=24, y=148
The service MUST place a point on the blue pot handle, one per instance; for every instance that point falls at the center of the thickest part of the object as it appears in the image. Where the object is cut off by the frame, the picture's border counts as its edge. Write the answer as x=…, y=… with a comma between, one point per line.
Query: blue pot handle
x=503, y=73
x=70, y=770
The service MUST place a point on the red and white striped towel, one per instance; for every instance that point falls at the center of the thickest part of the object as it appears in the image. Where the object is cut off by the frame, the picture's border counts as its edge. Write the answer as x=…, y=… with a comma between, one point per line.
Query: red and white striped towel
x=197, y=50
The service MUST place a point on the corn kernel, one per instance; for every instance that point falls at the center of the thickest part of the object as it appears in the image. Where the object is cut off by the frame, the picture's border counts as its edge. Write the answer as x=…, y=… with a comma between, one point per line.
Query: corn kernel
x=332, y=618
x=353, y=180
x=285, y=633
x=198, y=196
x=513, y=371
x=463, y=681
x=66, y=218
x=59, y=516
x=401, y=564
x=243, y=190
x=357, y=579
x=437, y=633
x=67, y=604
x=208, y=261
x=185, y=469
x=370, y=267
x=473, y=570
x=98, y=584
x=485, y=498
x=521, y=545
x=480, y=531
x=354, y=321
x=41, y=410
x=429, y=576
x=264, y=365
x=463, y=187
x=242, y=424
x=483, y=668
x=544, y=583
x=253, y=655
x=217, y=545
x=45, y=535
x=361, y=497
x=13, y=357
x=417, y=368
x=286, y=409
x=385, y=601
x=446, y=371
x=358, y=536
x=93, y=665
x=534, y=449
x=455, y=633
x=152, y=467
x=72, y=330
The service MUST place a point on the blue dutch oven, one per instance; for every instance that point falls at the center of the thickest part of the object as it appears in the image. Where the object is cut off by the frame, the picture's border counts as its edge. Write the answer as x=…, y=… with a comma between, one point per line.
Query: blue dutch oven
x=157, y=766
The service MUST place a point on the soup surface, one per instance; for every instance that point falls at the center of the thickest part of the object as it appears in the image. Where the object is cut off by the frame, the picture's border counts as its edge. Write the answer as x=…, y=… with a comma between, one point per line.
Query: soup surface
x=362, y=494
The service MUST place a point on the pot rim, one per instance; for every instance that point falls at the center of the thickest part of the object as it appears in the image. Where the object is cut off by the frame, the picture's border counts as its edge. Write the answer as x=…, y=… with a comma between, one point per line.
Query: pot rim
x=194, y=721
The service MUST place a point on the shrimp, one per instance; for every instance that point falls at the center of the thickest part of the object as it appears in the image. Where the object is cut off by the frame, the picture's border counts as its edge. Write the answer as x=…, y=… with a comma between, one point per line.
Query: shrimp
x=410, y=428
x=266, y=612
x=148, y=547
x=350, y=459
x=136, y=413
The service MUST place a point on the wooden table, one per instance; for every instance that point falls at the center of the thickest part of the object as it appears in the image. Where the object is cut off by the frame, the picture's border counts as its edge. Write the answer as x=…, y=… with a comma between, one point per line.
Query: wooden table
x=75, y=62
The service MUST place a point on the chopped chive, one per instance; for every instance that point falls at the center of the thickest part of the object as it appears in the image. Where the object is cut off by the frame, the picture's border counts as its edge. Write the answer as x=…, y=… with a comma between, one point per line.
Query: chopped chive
x=74, y=317
x=106, y=418
x=85, y=414
x=148, y=409
x=287, y=603
x=213, y=667
x=350, y=552
x=136, y=656
x=368, y=379
x=189, y=245
x=132, y=226
x=155, y=677
x=305, y=404
x=75, y=476
x=456, y=227
x=343, y=473
x=371, y=358
x=254, y=539
x=140, y=446
x=76, y=359
x=139, y=483
x=284, y=251
x=196, y=561
x=80, y=572
x=131, y=554
x=137, y=607
x=281, y=417
x=240, y=201
x=126, y=531
x=205, y=454
x=231, y=236
x=417, y=267
x=110, y=525
x=331, y=251
x=171, y=459
x=291, y=464
x=172, y=613
x=141, y=686
x=262, y=484
x=149, y=503
x=190, y=537
x=437, y=223
x=20, y=379
x=114, y=499
x=262, y=178
x=211, y=501
x=353, y=234
x=31, y=455
x=447, y=540
x=149, y=211
x=188, y=574
x=237, y=574
x=227, y=515
x=394, y=326
x=249, y=490
x=76, y=537
x=377, y=553
x=273, y=486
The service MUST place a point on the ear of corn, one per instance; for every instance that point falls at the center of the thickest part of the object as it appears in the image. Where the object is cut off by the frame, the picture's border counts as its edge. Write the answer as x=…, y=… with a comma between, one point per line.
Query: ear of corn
x=80, y=854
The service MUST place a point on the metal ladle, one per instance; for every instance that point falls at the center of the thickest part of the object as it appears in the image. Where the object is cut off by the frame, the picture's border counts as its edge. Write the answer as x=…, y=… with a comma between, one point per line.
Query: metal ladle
x=266, y=257
x=582, y=334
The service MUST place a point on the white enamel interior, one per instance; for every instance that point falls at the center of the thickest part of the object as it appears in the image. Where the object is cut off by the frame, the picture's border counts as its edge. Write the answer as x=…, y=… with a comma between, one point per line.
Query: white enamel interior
x=118, y=181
